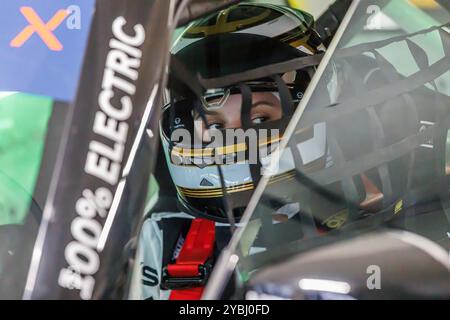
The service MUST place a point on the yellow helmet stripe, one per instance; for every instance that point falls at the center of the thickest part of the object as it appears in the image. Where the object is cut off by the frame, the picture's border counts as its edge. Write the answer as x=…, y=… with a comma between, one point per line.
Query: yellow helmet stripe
x=217, y=192
x=240, y=147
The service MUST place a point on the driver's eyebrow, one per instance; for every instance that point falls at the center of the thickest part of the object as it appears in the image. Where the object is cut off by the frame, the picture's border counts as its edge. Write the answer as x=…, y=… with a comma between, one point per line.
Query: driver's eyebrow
x=263, y=102
x=254, y=105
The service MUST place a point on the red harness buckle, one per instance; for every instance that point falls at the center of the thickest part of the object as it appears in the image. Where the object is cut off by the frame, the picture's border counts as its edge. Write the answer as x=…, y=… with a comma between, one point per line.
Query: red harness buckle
x=183, y=270
x=187, y=276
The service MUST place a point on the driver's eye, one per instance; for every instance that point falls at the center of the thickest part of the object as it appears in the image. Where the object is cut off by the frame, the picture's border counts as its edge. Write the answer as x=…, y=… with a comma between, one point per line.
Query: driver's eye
x=215, y=125
x=259, y=120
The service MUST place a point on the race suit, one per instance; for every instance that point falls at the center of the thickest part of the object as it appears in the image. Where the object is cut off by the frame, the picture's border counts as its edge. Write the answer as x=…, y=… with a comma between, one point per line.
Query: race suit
x=161, y=240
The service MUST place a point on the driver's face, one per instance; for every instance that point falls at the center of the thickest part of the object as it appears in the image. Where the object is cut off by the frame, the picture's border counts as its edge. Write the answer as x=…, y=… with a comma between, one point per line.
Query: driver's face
x=265, y=107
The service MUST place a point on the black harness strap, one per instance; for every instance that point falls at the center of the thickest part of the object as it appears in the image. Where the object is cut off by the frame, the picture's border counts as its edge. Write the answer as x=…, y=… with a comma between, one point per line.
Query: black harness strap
x=287, y=104
x=246, y=107
x=247, y=103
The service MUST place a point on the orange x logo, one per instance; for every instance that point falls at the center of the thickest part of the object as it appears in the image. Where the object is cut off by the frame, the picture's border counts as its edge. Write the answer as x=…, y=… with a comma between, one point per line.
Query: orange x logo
x=42, y=29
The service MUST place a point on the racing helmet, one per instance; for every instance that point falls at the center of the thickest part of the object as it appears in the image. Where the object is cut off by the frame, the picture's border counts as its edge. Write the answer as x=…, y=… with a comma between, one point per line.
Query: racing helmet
x=232, y=41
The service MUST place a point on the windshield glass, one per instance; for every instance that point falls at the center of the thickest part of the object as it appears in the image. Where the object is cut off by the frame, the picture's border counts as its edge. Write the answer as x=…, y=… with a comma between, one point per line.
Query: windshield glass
x=371, y=148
